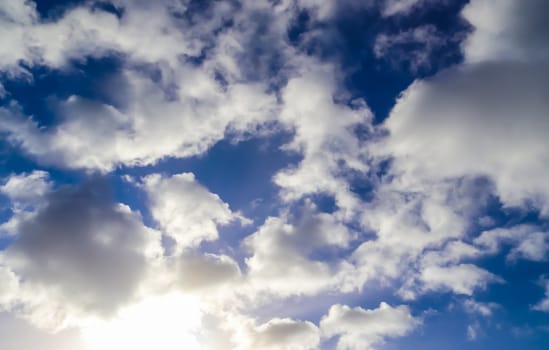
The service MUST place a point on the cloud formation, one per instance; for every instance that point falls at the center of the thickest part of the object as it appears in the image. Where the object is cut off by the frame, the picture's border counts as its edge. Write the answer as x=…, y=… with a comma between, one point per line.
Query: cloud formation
x=108, y=227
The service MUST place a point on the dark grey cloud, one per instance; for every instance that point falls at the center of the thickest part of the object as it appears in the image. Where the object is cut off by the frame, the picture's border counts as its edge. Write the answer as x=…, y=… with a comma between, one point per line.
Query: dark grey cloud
x=82, y=249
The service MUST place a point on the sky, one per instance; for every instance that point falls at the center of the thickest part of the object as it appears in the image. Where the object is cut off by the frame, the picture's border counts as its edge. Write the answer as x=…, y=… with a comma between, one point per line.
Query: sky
x=274, y=174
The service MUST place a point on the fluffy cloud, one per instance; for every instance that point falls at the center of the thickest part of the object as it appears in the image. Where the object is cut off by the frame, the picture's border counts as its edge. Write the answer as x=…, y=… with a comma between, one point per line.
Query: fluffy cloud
x=470, y=113
x=456, y=127
x=80, y=253
x=185, y=210
x=460, y=279
x=282, y=250
x=543, y=305
x=194, y=105
x=326, y=143
x=26, y=194
x=17, y=334
x=25, y=190
x=529, y=241
x=358, y=328
x=192, y=78
x=508, y=29
x=88, y=31
x=97, y=136
x=285, y=334
x=197, y=272
x=416, y=231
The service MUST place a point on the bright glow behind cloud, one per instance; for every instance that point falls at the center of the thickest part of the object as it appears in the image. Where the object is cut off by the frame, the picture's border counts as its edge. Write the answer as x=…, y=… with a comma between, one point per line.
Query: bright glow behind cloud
x=164, y=322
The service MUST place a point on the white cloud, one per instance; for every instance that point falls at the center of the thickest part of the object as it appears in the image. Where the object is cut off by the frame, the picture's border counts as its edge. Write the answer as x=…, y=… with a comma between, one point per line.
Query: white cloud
x=16, y=334
x=146, y=33
x=530, y=242
x=543, y=305
x=281, y=249
x=185, y=210
x=285, y=334
x=8, y=289
x=414, y=48
x=471, y=113
x=405, y=7
x=475, y=307
x=358, y=328
x=193, y=272
x=326, y=143
x=26, y=189
x=460, y=279
x=150, y=127
x=26, y=194
x=414, y=231
x=80, y=253
x=507, y=30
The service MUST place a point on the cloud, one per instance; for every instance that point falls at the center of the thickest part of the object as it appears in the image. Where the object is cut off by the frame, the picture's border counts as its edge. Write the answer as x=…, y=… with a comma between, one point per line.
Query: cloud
x=17, y=334
x=26, y=194
x=281, y=250
x=97, y=136
x=405, y=7
x=470, y=113
x=194, y=105
x=453, y=129
x=286, y=334
x=25, y=190
x=530, y=242
x=80, y=253
x=507, y=30
x=415, y=231
x=460, y=279
x=414, y=49
x=89, y=31
x=185, y=210
x=543, y=305
x=327, y=144
x=358, y=328
x=198, y=272
x=479, y=308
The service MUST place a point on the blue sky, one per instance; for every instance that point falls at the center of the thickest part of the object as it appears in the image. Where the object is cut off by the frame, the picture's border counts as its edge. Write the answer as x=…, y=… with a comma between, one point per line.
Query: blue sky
x=294, y=174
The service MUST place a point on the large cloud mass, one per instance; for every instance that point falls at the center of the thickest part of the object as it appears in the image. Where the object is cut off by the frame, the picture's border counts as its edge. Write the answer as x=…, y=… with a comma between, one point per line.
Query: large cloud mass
x=107, y=224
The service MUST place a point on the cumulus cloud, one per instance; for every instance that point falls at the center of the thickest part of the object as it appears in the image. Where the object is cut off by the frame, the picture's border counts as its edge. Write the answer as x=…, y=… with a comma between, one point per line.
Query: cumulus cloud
x=181, y=114
x=25, y=190
x=508, y=30
x=456, y=127
x=197, y=272
x=470, y=113
x=185, y=210
x=98, y=136
x=529, y=242
x=192, y=78
x=25, y=193
x=17, y=334
x=282, y=250
x=326, y=143
x=80, y=253
x=358, y=328
x=460, y=279
x=286, y=334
